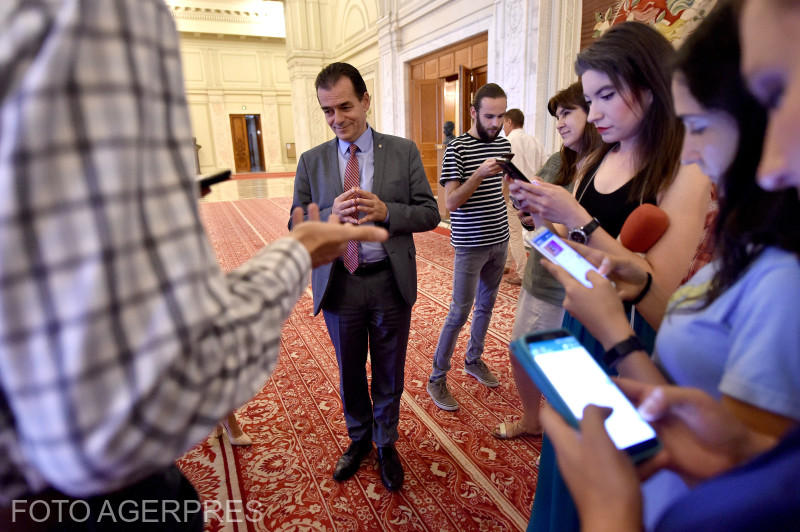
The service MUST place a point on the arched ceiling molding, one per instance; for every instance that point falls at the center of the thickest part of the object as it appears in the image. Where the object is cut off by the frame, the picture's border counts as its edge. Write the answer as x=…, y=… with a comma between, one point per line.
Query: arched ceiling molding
x=206, y=13
x=355, y=22
x=358, y=29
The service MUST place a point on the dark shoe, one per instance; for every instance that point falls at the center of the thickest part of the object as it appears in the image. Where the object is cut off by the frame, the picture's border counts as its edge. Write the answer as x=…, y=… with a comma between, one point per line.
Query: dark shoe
x=441, y=395
x=481, y=371
x=391, y=468
x=349, y=462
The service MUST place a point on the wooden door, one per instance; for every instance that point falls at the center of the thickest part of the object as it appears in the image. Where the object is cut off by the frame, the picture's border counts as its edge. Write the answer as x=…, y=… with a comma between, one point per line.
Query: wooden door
x=427, y=97
x=466, y=90
x=469, y=81
x=480, y=77
x=241, y=148
x=259, y=140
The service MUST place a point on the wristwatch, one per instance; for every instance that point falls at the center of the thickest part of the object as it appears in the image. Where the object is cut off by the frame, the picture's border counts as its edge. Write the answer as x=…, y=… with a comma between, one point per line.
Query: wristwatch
x=621, y=350
x=581, y=234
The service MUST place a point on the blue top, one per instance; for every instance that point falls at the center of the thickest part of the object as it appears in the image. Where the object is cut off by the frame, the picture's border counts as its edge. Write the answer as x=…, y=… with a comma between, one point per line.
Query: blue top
x=370, y=251
x=744, y=345
x=760, y=495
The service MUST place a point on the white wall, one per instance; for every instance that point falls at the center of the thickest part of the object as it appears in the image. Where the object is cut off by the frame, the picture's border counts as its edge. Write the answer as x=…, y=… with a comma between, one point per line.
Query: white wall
x=234, y=75
x=531, y=46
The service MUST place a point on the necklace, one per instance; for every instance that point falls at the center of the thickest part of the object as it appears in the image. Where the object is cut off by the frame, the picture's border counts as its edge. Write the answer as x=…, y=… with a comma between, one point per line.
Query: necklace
x=589, y=183
x=591, y=179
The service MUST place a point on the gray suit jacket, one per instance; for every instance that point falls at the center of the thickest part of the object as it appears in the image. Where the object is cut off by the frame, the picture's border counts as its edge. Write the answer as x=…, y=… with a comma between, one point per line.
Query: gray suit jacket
x=399, y=181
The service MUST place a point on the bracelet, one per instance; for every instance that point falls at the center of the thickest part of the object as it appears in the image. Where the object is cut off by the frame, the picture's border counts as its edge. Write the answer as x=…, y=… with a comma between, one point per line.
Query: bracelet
x=621, y=350
x=638, y=299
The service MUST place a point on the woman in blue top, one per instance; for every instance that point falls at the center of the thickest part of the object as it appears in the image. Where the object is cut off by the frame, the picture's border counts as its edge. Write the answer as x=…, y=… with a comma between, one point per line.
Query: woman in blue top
x=732, y=331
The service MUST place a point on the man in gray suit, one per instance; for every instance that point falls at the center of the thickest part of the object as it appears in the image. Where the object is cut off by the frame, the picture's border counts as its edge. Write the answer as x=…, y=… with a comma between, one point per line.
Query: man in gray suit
x=366, y=177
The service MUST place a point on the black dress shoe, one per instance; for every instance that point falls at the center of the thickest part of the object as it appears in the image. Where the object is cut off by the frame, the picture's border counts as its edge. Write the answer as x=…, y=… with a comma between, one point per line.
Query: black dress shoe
x=349, y=462
x=391, y=468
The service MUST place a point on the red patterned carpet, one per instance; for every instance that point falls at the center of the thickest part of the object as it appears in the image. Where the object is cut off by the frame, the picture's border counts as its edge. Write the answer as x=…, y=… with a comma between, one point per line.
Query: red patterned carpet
x=458, y=477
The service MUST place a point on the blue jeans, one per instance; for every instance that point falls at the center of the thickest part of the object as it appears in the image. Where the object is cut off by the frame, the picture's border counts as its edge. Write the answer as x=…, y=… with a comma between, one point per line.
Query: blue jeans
x=477, y=273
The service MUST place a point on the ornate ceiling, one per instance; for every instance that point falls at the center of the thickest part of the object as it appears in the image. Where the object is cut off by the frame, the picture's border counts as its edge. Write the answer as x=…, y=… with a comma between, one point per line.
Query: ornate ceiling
x=246, y=18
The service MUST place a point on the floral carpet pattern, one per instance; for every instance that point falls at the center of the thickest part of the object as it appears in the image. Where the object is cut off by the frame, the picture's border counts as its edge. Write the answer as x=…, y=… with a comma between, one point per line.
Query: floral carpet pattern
x=458, y=477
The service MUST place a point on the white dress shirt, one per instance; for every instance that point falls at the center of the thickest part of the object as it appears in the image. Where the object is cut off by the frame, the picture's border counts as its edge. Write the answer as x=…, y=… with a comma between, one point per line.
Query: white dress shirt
x=528, y=153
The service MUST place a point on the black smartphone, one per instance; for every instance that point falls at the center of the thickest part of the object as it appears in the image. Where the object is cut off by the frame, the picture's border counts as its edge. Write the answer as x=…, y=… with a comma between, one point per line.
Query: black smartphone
x=570, y=379
x=206, y=180
x=510, y=168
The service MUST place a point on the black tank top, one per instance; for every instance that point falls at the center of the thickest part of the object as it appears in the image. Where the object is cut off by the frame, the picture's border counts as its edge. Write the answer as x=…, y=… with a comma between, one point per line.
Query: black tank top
x=611, y=209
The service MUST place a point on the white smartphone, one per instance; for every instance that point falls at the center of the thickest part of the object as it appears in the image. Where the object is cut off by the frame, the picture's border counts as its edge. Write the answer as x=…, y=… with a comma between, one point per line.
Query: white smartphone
x=558, y=251
x=570, y=379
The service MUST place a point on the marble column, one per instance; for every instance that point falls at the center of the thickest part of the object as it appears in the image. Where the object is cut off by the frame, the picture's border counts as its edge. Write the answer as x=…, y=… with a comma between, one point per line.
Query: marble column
x=392, y=75
x=305, y=58
x=220, y=130
x=271, y=135
x=535, y=46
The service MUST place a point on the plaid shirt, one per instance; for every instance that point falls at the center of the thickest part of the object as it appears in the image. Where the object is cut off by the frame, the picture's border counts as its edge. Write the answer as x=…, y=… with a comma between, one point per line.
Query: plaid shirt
x=121, y=342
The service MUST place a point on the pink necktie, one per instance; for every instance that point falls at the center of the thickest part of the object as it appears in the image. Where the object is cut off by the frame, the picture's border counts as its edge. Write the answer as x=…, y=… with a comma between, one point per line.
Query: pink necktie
x=351, y=179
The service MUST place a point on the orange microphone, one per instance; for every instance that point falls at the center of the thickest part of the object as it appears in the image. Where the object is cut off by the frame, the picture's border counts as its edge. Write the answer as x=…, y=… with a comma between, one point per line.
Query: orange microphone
x=643, y=228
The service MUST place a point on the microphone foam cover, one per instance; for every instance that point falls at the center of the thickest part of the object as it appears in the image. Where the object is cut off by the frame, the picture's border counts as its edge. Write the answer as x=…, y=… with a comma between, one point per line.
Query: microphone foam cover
x=643, y=228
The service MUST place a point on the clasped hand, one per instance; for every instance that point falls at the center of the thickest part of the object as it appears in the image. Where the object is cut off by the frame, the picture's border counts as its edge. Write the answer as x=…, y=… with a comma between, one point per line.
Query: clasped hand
x=325, y=241
x=357, y=206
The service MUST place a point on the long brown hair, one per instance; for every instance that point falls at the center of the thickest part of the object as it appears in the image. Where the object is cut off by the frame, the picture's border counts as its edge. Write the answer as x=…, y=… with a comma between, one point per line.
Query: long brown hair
x=638, y=58
x=750, y=218
x=572, y=98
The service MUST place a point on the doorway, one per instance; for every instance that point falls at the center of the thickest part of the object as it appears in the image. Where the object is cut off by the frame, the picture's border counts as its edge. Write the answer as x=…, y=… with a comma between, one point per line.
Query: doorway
x=442, y=85
x=248, y=148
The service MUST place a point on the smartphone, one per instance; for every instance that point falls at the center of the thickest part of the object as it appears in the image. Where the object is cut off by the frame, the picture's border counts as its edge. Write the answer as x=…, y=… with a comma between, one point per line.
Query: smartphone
x=570, y=379
x=510, y=168
x=558, y=251
x=205, y=181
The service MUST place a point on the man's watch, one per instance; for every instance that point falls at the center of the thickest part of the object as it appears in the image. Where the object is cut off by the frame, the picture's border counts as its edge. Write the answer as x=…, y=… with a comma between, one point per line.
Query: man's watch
x=581, y=234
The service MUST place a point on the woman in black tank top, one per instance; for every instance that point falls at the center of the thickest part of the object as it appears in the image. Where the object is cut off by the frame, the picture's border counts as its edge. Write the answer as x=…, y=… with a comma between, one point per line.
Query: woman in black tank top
x=626, y=81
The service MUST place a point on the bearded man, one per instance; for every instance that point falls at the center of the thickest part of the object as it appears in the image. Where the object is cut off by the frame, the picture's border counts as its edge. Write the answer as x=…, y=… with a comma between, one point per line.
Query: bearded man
x=473, y=183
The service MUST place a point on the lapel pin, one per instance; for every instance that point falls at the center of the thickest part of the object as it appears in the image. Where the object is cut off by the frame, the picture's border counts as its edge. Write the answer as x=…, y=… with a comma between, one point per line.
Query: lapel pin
x=380, y=145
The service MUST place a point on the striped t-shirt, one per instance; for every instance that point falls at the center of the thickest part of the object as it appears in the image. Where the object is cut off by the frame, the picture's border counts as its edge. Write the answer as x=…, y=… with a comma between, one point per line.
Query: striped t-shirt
x=481, y=220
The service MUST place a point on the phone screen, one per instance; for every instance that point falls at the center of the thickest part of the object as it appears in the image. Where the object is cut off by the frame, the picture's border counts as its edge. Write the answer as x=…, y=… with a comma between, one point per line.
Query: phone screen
x=558, y=251
x=579, y=381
